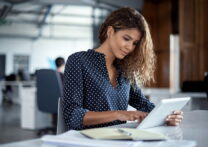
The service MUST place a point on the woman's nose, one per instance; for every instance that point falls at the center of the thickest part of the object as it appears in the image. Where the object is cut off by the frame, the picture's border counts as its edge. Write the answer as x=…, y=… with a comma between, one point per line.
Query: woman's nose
x=129, y=46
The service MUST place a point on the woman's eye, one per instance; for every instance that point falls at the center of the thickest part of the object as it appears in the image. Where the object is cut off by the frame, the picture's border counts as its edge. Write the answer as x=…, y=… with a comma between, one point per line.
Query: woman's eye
x=127, y=39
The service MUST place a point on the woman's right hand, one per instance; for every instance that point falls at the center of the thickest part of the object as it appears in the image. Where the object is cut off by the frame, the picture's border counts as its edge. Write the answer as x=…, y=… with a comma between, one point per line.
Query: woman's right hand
x=130, y=115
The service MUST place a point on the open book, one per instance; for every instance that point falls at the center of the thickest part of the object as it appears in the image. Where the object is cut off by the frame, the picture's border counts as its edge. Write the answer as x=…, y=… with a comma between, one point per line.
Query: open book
x=122, y=133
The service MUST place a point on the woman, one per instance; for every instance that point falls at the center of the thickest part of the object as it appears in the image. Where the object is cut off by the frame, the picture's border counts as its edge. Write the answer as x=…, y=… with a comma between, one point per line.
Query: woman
x=100, y=83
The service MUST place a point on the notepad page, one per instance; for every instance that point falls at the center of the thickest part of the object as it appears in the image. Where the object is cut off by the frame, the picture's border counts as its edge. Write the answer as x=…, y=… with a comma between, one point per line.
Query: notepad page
x=126, y=125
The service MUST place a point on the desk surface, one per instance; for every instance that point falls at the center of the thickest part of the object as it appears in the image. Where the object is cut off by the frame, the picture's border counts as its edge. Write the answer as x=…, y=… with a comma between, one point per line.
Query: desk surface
x=193, y=127
x=168, y=93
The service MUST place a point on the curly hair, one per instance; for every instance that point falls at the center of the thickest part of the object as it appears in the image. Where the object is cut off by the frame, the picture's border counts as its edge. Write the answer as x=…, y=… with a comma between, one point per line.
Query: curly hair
x=138, y=66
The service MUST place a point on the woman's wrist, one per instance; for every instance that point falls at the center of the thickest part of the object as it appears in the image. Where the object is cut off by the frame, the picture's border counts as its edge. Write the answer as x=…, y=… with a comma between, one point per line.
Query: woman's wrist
x=116, y=115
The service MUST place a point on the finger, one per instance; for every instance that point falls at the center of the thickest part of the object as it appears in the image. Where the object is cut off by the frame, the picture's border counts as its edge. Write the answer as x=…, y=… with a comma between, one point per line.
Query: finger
x=173, y=116
x=133, y=118
x=178, y=112
x=139, y=117
x=179, y=117
x=140, y=113
x=136, y=117
x=146, y=114
x=174, y=121
x=130, y=118
x=142, y=117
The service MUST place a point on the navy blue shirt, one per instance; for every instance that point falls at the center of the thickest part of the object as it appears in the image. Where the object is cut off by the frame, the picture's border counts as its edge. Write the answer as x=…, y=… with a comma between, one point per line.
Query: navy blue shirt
x=87, y=88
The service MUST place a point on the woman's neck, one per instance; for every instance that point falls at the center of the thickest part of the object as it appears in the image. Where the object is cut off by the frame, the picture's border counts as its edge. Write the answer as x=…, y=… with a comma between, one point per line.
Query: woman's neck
x=104, y=48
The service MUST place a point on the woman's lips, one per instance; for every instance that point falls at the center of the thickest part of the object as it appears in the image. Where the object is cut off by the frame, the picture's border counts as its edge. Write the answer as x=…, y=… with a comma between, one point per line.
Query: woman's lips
x=124, y=53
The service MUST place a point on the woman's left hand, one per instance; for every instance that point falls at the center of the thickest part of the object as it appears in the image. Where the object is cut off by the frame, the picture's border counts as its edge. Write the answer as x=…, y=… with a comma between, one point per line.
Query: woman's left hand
x=175, y=118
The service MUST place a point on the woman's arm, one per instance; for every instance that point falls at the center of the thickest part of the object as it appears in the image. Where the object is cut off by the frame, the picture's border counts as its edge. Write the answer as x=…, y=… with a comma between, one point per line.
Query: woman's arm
x=94, y=118
x=139, y=101
x=72, y=102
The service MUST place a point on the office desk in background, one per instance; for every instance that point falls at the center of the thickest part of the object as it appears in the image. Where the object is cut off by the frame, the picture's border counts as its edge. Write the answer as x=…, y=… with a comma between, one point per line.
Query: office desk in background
x=16, y=87
x=31, y=117
x=24, y=94
x=193, y=127
x=157, y=94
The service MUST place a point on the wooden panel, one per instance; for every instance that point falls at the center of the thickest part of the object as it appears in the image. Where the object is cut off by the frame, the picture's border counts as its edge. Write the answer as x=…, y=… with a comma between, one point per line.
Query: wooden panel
x=193, y=39
x=164, y=25
x=193, y=32
x=158, y=16
x=162, y=68
x=189, y=28
x=202, y=10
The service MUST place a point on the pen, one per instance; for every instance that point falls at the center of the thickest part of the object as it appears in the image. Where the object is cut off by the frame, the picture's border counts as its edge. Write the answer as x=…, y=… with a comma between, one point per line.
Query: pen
x=128, y=134
x=124, y=132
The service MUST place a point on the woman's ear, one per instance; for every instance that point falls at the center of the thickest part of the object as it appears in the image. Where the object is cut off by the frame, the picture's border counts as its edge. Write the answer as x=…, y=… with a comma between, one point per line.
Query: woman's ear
x=110, y=31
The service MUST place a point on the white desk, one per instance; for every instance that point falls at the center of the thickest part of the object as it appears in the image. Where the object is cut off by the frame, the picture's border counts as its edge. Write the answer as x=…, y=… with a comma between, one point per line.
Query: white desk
x=167, y=93
x=31, y=117
x=193, y=127
x=198, y=101
x=17, y=85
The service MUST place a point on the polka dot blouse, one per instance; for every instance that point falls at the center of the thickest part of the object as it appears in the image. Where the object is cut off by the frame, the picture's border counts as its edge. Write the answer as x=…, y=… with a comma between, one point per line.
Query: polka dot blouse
x=87, y=88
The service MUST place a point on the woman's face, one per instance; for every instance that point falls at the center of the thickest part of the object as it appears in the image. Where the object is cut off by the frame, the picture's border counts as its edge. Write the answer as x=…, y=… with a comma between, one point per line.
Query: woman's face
x=123, y=42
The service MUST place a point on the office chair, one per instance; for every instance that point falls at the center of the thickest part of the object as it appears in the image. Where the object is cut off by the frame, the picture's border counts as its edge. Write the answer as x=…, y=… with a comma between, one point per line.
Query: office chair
x=61, y=127
x=49, y=89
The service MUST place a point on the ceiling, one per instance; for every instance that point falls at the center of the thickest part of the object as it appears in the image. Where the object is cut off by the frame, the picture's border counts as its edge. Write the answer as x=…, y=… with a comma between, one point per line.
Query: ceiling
x=39, y=12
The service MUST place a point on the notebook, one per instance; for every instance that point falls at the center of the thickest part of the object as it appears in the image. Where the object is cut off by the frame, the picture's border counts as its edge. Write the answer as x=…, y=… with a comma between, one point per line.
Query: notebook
x=122, y=134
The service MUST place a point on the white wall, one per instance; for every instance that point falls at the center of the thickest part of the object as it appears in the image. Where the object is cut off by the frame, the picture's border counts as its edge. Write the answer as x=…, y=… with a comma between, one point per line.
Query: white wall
x=40, y=50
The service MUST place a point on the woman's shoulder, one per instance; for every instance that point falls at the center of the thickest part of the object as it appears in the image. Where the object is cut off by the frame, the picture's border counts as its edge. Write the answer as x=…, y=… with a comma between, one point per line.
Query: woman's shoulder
x=80, y=56
x=81, y=53
x=76, y=55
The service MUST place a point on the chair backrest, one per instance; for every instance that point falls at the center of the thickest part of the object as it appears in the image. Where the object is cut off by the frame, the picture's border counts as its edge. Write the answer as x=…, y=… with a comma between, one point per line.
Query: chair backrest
x=49, y=89
x=61, y=127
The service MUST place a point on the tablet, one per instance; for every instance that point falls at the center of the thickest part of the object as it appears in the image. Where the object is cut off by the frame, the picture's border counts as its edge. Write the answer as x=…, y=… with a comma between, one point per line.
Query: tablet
x=159, y=114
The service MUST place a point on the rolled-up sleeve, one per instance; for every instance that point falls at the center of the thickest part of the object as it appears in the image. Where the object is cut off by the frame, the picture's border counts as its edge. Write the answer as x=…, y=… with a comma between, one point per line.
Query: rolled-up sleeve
x=73, y=111
x=139, y=101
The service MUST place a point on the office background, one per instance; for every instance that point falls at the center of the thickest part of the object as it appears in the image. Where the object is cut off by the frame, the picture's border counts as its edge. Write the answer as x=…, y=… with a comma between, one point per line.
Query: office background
x=34, y=33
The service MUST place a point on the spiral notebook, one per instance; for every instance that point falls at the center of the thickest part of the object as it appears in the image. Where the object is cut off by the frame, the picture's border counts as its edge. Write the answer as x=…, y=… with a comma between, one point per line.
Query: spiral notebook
x=122, y=134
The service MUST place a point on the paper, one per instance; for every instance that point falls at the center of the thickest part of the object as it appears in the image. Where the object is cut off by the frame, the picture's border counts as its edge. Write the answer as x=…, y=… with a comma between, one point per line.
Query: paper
x=74, y=138
x=122, y=133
